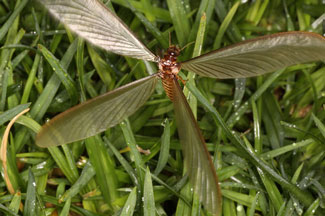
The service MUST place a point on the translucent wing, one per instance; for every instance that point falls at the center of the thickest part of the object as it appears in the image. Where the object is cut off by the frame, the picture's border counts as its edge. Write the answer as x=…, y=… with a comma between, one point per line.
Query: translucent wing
x=259, y=56
x=97, y=114
x=200, y=167
x=93, y=21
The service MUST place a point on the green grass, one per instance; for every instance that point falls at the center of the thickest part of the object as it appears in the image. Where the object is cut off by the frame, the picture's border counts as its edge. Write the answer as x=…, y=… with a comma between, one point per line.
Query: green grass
x=265, y=138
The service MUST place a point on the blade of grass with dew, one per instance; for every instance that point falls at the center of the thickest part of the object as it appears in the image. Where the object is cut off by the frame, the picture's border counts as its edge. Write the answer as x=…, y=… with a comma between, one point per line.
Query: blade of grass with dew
x=131, y=143
x=297, y=173
x=12, y=100
x=41, y=183
x=6, y=210
x=61, y=72
x=240, y=210
x=30, y=208
x=282, y=209
x=4, y=86
x=60, y=189
x=312, y=208
x=148, y=196
x=180, y=21
x=15, y=202
x=66, y=208
x=252, y=209
x=269, y=184
x=257, y=129
x=241, y=198
x=239, y=92
x=206, y=7
x=233, y=31
x=243, y=108
x=30, y=80
x=39, y=169
x=9, y=114
x=282, y=150
x=224, y=25
x=319, y=124
x=263, y=199
x=164, y=148
x=129, y=206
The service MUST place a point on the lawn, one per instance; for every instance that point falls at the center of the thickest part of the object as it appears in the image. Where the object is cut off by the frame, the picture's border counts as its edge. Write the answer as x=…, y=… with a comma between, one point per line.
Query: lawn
x=265, y=134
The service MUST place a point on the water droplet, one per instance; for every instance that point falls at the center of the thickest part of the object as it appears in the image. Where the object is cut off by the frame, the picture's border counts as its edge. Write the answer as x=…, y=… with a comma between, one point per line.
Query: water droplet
x=127, y=208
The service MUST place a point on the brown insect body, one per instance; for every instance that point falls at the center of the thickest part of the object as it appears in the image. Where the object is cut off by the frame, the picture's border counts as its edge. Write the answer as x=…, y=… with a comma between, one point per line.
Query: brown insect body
x=169, y=68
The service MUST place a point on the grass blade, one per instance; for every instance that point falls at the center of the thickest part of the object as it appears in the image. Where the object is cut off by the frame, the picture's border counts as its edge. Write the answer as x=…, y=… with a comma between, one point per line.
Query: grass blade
x=149, y=200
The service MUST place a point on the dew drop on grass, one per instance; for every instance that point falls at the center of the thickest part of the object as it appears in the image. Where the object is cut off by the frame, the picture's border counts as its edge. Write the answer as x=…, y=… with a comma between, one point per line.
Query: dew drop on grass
x=240, y=208
x=41, y=165
x=127, y=209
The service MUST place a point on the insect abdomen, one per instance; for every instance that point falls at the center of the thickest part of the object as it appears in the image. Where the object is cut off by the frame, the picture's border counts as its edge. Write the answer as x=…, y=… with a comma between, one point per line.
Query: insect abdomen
x=168, y=86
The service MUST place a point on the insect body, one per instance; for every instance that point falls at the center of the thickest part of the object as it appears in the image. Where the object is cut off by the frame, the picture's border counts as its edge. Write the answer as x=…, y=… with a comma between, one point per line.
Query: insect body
x=169, y=68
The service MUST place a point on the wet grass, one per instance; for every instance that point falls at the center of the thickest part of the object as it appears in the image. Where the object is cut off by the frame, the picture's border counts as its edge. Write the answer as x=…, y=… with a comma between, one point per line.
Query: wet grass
x=276, y=118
